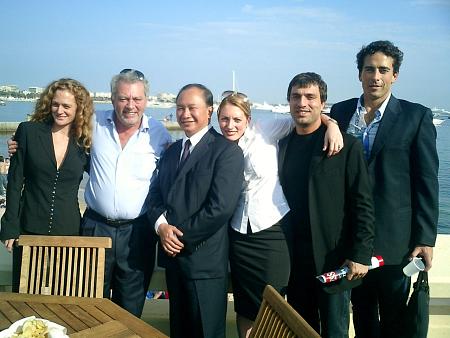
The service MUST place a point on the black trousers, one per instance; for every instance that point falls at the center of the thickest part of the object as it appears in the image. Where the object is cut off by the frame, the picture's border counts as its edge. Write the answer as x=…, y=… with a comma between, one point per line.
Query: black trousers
x=197, y=306
x=129, y=264
x=328, y=314
x=379, y=302
x=16, y=266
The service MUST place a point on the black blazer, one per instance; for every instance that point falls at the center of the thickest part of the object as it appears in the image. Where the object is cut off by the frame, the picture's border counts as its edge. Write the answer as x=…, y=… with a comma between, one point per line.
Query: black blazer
x=199, y=200
x=48, y=203
x=340, y=207
x=403, y=168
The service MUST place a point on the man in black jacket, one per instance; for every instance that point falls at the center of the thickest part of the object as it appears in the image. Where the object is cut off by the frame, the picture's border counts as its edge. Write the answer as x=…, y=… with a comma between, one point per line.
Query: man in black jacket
x=190, y=202
x=331, y=208
x=399, y=141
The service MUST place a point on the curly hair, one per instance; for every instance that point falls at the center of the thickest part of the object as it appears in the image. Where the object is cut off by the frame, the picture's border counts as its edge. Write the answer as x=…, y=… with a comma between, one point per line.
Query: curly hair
x=82, y=125
x=382, y=46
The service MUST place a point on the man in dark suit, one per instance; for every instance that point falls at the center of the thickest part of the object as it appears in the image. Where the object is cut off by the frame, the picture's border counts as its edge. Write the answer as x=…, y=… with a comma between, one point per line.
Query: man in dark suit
x=400, y=147
x=332, y=211
x=195, y=193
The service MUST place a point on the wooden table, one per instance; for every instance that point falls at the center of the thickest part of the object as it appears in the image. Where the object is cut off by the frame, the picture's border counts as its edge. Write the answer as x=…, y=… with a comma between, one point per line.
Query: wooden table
x=83, y=317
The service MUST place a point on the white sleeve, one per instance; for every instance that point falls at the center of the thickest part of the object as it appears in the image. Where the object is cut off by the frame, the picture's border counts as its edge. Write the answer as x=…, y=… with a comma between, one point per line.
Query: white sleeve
x=161, y=220
x=275, y=128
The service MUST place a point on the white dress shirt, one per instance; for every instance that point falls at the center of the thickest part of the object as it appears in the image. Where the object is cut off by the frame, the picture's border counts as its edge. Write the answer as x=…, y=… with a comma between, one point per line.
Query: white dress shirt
x=119, y=179
x=262, y=200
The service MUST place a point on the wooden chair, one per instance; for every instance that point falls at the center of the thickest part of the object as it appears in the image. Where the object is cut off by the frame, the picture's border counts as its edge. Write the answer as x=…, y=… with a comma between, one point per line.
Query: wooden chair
x=63, y=265
x=277, y=319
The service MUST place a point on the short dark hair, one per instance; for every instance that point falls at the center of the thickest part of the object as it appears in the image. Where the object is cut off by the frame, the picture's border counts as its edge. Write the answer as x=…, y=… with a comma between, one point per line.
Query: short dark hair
x=208, y=96
x=382, y=46
x=304, y=80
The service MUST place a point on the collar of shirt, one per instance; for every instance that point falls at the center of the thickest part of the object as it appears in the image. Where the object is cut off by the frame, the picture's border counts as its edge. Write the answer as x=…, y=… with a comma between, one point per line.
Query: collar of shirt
x=195, y=139
x=361, y=111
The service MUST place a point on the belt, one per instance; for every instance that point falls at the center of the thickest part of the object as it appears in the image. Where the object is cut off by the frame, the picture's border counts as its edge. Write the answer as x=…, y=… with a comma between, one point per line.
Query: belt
x=112, y=222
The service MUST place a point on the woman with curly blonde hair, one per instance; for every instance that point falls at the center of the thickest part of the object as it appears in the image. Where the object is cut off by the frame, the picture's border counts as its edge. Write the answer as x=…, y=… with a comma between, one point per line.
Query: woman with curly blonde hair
x=46, y=171
x=81, y=128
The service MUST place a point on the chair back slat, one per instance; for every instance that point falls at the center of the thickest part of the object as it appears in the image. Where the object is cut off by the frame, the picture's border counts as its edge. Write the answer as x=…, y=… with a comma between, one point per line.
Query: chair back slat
x=63, y=265
x=38, y=271
x=33, y=276
x=100, y=271
x=51, y=263
x=86, y=269
x=62, y=279
x=75, y=272
x=57, y=282
x=69, y=271
x=81, y=272
x=44, y=270
x=25, y=270
x=276, y=318
x=93, y=269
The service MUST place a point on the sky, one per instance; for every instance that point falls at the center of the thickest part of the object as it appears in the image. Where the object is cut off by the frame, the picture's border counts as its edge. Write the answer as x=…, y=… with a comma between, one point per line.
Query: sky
x=266, y=43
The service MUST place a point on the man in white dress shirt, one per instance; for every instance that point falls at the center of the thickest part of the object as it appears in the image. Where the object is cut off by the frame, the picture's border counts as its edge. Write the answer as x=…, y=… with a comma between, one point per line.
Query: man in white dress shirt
x=126, y=146
x=125, y=149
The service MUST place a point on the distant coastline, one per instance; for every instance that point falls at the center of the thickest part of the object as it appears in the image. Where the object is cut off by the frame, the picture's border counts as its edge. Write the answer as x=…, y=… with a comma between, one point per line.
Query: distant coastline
x=161, y=104
x=11, y=127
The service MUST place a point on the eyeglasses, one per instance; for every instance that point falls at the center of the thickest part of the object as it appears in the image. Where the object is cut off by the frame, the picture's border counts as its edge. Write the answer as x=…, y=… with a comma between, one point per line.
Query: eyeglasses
x=135, y=72
x=228, y=93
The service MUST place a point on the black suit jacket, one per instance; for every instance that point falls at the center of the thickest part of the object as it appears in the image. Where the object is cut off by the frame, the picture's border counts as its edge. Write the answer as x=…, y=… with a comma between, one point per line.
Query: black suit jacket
x=403, y=168
x=48, y=203
x=199, y=200
x=340, y=207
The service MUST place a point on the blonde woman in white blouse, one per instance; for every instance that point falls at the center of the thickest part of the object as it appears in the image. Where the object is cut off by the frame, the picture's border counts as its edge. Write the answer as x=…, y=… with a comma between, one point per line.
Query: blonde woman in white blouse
x=259, y=252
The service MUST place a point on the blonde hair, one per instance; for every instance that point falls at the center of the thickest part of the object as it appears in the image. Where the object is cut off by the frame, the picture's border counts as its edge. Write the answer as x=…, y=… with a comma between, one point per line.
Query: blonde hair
x=81, y=127
x=237, y=101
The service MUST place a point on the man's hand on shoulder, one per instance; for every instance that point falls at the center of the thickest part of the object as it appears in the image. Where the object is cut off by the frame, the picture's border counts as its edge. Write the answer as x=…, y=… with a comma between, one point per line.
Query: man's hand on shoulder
x=333, y=140
x=168, y=235
x=356, y=270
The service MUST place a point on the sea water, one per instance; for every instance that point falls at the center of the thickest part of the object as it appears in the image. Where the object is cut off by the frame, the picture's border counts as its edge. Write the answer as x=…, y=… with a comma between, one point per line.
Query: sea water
x=16, y=111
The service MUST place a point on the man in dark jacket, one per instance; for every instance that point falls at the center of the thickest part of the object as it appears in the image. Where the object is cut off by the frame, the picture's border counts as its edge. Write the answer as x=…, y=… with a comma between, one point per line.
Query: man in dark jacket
x=190, y=202
x=332, y=211
x=399, y=141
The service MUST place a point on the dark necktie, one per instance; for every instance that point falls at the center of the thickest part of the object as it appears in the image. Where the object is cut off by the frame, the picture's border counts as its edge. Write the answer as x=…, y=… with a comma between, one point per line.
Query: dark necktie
x=185, y=155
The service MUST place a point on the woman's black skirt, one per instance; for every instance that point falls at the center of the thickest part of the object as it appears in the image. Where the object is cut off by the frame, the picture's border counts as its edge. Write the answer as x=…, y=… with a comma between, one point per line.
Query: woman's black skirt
x=257, y=259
